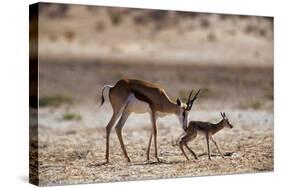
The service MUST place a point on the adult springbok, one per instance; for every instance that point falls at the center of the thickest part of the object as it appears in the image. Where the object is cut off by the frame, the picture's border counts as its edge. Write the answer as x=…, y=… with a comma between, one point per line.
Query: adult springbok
x=205, y=128
x=138, y=96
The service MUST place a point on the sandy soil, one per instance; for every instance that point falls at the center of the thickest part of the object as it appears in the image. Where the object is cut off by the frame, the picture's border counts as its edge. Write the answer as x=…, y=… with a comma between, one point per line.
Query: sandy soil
x=77, y=155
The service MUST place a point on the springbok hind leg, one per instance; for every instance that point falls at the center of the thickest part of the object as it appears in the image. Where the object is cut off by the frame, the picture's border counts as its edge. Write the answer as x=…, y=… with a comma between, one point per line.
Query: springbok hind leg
x=109, y=126
x=108, y=131
x=149, y=144
x=118, y=129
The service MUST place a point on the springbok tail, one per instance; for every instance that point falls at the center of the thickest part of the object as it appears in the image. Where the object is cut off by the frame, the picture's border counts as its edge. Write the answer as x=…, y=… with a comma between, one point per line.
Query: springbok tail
x=102, y=97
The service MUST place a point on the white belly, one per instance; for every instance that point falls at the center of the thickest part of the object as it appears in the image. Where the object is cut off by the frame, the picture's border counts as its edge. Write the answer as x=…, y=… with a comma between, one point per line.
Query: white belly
x=137, y=106
x=161, y=114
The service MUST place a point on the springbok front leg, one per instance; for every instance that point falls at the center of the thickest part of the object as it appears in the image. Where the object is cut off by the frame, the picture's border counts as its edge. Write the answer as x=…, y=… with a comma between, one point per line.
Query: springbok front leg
x=208, y=145
x=118, y=130
x=153, y=123
x=213, y=140
x=154, y=128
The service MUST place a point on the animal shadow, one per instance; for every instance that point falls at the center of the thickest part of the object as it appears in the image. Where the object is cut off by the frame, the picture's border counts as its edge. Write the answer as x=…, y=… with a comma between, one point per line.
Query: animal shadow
x=227, y=154
x=157, y=163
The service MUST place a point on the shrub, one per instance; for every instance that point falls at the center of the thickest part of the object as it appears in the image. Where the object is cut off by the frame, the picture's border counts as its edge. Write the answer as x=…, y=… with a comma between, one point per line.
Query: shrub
x=71, y=116
x=55, y=100
x=115, y=19
x=254, y=104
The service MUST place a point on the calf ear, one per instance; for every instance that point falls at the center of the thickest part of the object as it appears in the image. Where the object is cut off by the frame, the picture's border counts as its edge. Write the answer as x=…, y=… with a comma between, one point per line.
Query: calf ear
x=178, y=101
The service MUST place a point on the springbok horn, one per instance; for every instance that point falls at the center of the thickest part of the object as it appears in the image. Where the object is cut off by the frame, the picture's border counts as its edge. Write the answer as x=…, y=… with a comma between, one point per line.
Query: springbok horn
x=193, y=99
x=190, y=94
x=196, y=95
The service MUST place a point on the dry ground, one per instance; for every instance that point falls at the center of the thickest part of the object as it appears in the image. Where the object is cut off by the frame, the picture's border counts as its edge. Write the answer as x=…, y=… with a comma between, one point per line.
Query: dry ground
x=77, y=155
x=72, y=150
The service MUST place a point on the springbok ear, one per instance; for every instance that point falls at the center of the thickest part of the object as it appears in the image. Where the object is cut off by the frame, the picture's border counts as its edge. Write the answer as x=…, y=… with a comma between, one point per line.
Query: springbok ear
x=222, y=115
x=178, y=101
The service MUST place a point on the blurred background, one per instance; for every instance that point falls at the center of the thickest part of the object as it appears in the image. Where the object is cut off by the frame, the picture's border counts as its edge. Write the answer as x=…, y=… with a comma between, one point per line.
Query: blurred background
x=70, y=32
x=82, y=48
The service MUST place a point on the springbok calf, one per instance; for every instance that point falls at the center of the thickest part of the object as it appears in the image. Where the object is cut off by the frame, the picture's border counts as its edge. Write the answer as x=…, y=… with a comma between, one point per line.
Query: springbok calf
x=207, y=129
x=138, y=96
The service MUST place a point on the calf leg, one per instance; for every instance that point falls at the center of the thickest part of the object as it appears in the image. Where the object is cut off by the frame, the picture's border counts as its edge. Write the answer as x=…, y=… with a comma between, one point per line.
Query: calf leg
x=190, y=150
x=181, y=147
x=217, y=146
x=208, y=145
